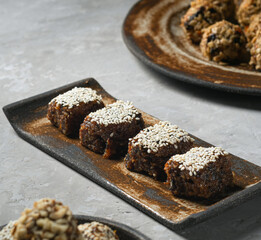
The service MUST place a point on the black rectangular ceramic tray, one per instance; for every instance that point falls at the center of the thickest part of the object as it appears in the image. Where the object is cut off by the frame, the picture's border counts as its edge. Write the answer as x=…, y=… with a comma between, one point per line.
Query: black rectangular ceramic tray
x=28, y=118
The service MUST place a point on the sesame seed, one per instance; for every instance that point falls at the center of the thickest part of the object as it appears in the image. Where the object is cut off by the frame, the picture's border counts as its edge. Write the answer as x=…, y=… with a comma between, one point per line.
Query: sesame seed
x=197, y=158
x=115, y=113
x=76, y=96
x=160, y=135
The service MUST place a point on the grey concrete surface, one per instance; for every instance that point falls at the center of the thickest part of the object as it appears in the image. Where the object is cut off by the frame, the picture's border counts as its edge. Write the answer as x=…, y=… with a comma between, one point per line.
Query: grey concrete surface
x=49, y=43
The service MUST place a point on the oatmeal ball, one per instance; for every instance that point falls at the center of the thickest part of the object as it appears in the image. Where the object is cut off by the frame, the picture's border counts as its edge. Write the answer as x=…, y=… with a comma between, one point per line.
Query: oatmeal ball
x=254, y=26
x=200, y=15
x=97, y=231
x=226, y=7
x=237, y=4
x=47, y=219
x=255, y=51
x=224, y=42
x=247, y=9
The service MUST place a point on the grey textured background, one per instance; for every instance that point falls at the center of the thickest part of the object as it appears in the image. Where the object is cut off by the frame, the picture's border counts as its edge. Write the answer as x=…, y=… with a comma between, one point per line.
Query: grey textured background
x=49, y=43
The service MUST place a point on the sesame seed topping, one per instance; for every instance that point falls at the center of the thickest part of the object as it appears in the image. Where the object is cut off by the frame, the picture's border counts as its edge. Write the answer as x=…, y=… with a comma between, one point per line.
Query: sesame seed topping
x=115, y=113
x=159, y=135
x=5, y=233
x=197, y=158
x=76, y=96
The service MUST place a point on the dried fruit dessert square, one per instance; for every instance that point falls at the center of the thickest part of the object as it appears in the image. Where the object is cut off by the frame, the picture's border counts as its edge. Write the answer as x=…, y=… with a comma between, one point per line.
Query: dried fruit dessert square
x=149, y=150
x=68, y=110
x=107, y=130
x=201, y=172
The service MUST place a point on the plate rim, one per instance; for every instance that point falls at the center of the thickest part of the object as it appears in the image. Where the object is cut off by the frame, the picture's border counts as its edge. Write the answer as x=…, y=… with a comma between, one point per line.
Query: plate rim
x=224, y=204
x=141, y=56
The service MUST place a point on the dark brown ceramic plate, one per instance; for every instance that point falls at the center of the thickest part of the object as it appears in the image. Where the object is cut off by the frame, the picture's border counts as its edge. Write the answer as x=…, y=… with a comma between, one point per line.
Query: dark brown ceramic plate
x=123, y=231
x=153, y=34
x=28, y=118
